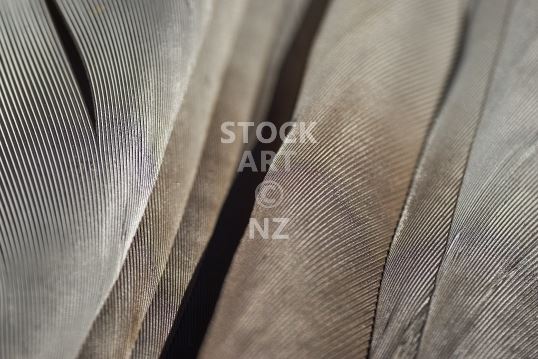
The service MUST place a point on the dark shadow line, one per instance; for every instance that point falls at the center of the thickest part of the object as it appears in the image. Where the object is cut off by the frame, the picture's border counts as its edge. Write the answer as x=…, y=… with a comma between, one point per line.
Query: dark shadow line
x=74, y=57
x=456, y=62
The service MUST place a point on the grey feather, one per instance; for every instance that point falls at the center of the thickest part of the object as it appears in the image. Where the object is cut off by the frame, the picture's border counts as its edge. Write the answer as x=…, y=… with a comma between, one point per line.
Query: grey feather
x=73, y=190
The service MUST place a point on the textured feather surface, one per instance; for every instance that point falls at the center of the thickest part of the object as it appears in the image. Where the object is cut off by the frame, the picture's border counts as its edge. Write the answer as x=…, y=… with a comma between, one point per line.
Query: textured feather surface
x=462, y=282
x=372, y=99
x=484, y=303
x=263, y=37
x=116, y=329
x=72, y=190
x=419, y=242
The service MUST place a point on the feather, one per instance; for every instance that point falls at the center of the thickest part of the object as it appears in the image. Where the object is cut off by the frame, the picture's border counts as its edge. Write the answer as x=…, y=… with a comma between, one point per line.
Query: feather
x=263, y=37
x=460, y=278
x=82, y=136
x=115, y=331
x=371, y=99
x=418, y=244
